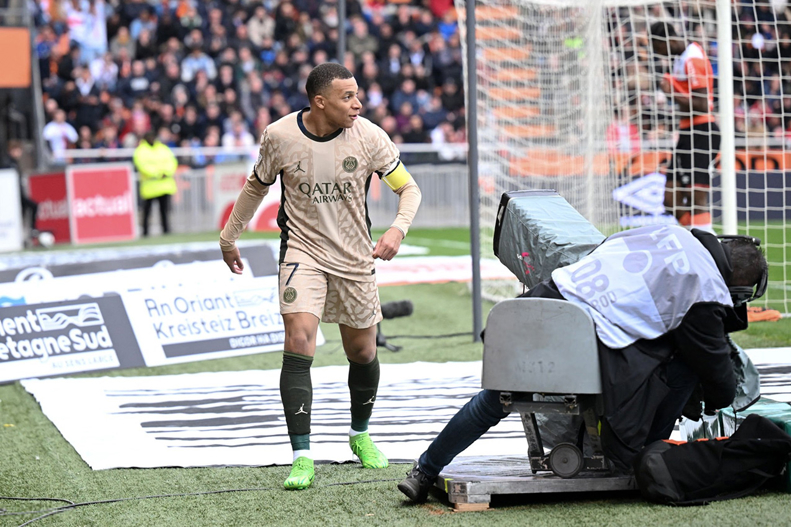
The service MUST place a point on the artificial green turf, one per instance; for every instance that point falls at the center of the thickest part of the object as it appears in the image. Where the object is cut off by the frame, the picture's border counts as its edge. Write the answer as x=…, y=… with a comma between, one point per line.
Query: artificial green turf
x=37, y=462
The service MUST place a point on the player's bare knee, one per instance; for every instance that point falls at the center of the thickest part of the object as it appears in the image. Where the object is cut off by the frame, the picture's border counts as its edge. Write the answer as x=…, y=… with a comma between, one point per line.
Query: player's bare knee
x=362, y=355
x=300, y=342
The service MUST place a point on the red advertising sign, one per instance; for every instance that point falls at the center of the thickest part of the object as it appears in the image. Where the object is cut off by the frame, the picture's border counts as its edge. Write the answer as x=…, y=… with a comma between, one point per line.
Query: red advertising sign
x=49, y=191
x=101, y=203
x=229, y=178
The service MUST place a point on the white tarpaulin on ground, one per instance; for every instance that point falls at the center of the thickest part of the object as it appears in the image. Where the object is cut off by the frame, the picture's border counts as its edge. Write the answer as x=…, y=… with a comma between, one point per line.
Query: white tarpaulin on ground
x=235, y=418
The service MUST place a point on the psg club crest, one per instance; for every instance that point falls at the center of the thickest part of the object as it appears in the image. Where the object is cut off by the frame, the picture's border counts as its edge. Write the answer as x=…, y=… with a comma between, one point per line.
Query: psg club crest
x=349, y=164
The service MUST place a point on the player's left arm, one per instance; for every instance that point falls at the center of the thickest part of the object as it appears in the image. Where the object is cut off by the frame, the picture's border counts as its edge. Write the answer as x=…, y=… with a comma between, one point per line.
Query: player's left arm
x=400, y=181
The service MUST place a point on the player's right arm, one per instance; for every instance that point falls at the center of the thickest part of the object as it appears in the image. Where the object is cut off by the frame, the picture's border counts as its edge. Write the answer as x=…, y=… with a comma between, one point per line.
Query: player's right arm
x=255, y=189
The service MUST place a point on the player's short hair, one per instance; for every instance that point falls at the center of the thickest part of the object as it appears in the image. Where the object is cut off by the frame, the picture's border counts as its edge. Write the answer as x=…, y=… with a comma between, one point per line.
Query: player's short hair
x=661, y=30
x=321, y=77
x=748, y=262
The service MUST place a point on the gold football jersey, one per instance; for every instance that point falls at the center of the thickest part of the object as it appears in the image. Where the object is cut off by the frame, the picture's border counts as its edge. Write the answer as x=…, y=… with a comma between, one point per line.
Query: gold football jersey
x=323, y=215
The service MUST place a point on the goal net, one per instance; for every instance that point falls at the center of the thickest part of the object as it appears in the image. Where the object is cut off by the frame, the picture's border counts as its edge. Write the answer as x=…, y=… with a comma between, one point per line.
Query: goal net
x=572, y=95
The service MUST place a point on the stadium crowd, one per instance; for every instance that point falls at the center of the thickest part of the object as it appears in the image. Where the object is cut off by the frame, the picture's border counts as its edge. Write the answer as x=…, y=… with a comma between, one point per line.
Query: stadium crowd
x=761, y=32
x=217, y=72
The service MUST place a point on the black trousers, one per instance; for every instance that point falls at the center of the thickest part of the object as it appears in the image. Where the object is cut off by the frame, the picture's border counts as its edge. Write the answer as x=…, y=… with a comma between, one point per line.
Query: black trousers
x=164, y=212
x=29, y=207
x=696, y=148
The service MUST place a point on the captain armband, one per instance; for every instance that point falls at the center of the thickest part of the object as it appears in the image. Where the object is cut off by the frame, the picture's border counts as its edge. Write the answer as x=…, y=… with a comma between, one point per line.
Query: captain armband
x=398, y=177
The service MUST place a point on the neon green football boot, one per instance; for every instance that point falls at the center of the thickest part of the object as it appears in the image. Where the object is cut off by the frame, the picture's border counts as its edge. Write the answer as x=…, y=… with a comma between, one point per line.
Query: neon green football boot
x=301, y=474
x=369, y=455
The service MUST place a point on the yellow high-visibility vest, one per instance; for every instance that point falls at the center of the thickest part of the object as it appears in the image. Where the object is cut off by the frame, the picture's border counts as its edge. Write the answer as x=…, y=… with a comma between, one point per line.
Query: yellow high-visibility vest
x=156, y=165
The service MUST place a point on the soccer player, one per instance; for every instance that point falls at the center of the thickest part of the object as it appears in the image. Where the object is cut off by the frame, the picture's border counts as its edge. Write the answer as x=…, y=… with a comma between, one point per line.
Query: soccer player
x=691, y=87
x=326, y=155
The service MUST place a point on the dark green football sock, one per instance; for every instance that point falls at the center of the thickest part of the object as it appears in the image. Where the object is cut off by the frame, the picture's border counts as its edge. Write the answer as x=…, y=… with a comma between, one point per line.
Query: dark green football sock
x=296, y=393
x=363, y=383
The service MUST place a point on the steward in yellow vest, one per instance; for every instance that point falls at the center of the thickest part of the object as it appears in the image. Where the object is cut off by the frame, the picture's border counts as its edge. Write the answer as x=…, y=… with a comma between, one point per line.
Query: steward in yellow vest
x=156, y=165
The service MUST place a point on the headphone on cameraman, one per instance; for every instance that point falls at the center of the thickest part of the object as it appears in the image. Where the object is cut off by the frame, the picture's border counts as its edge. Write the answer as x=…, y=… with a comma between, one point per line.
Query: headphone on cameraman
x=745, y=293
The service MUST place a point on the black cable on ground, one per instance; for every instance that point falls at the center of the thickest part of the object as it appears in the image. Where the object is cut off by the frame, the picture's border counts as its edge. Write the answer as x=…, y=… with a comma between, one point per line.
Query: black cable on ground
x=72, y=505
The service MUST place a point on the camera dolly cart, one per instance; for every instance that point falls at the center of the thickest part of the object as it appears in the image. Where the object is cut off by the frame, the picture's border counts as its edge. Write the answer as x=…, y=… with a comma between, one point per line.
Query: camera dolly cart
x=546, y=348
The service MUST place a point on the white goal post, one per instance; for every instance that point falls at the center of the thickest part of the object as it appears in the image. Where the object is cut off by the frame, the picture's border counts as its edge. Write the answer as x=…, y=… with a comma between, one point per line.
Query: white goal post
x=569, y=96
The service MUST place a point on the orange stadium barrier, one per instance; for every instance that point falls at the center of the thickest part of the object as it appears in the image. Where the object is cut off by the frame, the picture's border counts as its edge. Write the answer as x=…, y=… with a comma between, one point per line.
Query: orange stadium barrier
x=760, y=161
x=495, y=13
x=497, y=33
x=504, y=54
x=551, y=163
x=515, y=75
x=517, y=112
x=15, y=67
x=514, y=94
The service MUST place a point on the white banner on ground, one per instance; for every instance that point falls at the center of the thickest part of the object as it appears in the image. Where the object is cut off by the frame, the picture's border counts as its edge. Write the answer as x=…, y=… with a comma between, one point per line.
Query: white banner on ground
x=774, y=365
x=10, y=212
x=236, y=418
x=183, y=324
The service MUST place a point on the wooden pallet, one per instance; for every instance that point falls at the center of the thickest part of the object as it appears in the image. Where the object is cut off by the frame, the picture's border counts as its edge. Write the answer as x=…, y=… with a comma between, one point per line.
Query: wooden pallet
x=470, y=482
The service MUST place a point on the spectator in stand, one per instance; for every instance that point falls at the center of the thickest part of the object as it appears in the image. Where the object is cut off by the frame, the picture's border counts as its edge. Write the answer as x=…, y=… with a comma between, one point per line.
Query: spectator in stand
x=448, y=25
x=361, y=40
x=90, y=109
x=247, y=64
x=167, y=28
x=169, y=80
x=191, y=126
x=452, y=97
x=147, y=21
x=136, y=86
x=433, y=112
x=190, y=21
x=146, y=47
x=238, y=137
x=84, y=142
x=165, y=118
x=196, y=61
x=46, y=41
x=105, y=72
x=166, y=137
x=108, y=138
x=214, y=116
x=404, y=94
x=226, y=78
x=414, y=132
x=260, y=26
x=123, y=40
x=285, y=21
x=262, y=120
x=405, y=111
x=60, y=135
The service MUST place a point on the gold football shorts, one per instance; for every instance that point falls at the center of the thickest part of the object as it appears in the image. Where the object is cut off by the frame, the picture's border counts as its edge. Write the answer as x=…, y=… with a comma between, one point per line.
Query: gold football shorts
x=305, y=289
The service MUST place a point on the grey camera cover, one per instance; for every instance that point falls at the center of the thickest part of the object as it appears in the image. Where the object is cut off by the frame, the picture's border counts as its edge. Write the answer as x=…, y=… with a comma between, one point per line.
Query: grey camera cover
x=538, y=231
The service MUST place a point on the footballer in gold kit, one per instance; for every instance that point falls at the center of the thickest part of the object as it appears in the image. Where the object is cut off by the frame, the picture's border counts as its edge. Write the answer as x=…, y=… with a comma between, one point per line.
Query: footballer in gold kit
x=326, y=156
